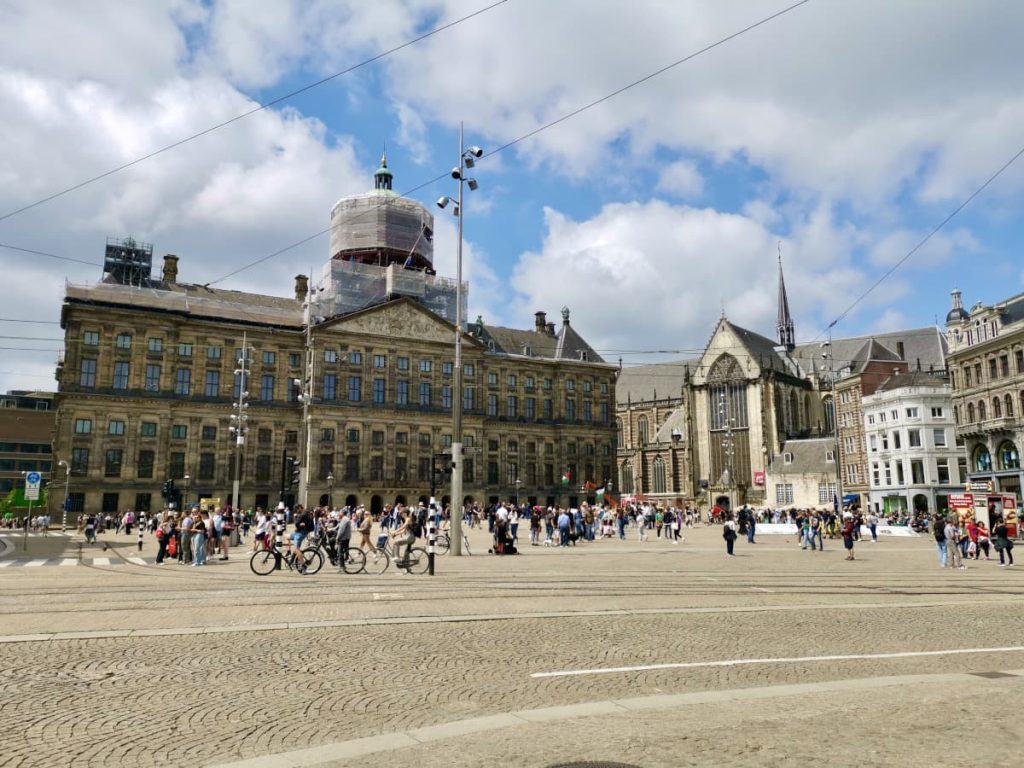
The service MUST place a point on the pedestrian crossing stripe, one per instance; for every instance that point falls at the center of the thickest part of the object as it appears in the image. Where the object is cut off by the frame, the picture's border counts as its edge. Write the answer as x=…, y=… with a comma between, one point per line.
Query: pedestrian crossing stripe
x=71, y=562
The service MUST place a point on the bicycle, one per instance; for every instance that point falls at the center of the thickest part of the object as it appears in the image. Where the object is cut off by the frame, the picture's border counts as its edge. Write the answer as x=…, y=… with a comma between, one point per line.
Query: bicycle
x=378, y=560
x=443, y=543
x=264, y=561
x=351, y=560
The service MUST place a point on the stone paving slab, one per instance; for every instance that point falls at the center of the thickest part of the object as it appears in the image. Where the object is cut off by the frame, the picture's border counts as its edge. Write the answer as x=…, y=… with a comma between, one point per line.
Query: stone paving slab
x=231, y=666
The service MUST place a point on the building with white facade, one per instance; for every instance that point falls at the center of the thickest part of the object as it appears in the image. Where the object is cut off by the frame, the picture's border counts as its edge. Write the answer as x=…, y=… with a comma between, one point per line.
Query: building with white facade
x=914, y=461
x=803, y=475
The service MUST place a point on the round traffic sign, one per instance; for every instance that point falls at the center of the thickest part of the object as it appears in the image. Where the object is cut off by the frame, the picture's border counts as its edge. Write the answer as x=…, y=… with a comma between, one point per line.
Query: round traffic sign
x=33, y=478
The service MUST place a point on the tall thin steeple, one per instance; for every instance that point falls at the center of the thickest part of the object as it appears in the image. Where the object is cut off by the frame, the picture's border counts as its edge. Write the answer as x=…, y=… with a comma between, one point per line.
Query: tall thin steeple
x=787, y=336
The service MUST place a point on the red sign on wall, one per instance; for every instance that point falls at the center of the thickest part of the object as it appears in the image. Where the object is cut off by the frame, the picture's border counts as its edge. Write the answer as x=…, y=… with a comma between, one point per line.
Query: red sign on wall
x=759, y=478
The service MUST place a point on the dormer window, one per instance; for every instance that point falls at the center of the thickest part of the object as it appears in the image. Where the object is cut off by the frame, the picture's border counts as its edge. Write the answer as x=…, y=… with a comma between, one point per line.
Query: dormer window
x=787, y=458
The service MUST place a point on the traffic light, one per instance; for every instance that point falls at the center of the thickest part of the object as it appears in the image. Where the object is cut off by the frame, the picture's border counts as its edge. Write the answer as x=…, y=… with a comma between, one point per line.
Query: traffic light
x=294, y=471
x=168, y=490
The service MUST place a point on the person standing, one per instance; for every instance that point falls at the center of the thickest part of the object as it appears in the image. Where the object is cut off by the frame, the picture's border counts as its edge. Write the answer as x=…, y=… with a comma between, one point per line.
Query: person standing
x=847, y=531
x=729, y=534
x=563, y=528
x=983, y=540
x=1003, y=544
x=199, y=541
x=954, y=555
x=343, y=536
x=185, y=550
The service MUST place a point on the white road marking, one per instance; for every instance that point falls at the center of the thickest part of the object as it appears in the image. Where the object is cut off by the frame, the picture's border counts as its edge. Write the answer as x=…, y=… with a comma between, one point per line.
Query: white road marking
x=69, y=561
x=790, y=660
x=6, y=563
x=35, y=563
x=136, y=560
x=101, y=561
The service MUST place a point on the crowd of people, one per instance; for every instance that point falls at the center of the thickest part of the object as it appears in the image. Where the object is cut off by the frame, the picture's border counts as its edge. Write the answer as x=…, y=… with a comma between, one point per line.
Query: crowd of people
x=196, y=536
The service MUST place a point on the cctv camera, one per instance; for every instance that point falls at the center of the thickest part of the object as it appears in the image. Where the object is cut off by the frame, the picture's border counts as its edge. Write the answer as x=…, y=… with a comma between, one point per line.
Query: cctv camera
x=476, y=151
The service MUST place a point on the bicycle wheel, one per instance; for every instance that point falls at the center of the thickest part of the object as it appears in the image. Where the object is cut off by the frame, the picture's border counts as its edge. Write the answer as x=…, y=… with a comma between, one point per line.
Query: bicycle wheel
x=263, y=562
x=442, y=545
x=355, y=560
x=377, y=561
x=314, y=560
x=418, y=561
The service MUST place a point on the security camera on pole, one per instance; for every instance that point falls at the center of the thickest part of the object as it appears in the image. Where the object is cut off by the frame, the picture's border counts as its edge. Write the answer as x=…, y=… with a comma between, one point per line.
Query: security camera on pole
x=467, y=159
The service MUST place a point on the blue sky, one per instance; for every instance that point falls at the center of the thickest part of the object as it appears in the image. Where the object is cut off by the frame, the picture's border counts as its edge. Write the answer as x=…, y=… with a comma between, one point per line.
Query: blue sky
x=844, y=130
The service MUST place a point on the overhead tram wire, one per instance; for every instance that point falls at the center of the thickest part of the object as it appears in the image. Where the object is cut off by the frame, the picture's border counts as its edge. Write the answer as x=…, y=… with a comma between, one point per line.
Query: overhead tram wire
x=921, y=243
x=254, y=110
x=532, y=133
x=10, y=247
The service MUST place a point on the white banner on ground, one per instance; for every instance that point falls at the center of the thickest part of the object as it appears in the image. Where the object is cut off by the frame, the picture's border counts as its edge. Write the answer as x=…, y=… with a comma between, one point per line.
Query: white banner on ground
x=789, y=529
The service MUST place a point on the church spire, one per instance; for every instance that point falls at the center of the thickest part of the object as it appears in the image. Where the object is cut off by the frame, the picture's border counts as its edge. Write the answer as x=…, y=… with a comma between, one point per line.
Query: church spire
x=787, y=336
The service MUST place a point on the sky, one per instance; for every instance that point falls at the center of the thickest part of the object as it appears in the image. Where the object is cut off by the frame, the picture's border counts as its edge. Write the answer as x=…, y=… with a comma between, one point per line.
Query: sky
x=838, y=133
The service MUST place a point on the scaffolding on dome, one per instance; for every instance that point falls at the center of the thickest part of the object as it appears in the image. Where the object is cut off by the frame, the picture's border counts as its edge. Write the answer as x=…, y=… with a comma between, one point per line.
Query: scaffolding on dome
x=348, y=286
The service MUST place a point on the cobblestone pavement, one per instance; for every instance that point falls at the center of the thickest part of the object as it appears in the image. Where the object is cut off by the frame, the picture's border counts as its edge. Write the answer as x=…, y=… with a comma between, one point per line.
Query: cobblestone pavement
x=137, y=664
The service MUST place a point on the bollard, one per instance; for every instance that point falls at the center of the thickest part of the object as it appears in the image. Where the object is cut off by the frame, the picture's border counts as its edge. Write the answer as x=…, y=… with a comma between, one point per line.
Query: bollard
x=142, y=528
x=431, y=541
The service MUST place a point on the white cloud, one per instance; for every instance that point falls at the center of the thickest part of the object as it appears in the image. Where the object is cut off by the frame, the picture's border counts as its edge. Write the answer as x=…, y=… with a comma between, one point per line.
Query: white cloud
x=681, y=179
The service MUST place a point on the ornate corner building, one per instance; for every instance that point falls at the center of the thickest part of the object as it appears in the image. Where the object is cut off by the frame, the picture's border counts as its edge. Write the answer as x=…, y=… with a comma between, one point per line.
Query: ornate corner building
x=155, y=367
x=986, y=368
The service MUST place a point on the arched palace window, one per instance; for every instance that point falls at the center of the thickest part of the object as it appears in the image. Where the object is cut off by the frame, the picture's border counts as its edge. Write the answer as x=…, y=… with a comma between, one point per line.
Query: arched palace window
x=1009, y=457
x=642, y=430
x=982, y=459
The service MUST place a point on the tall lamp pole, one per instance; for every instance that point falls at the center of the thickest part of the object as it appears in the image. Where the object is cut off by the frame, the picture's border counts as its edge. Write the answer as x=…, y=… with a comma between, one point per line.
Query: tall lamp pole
x=330, y=490
x=835, y=417
x=67, y=487
x=467, y=159
x=239, y=427
x=188, y=479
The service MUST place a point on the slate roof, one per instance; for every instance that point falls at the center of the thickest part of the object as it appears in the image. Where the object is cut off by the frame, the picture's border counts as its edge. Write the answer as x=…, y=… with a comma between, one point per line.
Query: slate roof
x=808, y=458
x=762, y=349
x=646, y=382
x=927, y=345
x=566, y=344
x=194, y=300
x=914, y=379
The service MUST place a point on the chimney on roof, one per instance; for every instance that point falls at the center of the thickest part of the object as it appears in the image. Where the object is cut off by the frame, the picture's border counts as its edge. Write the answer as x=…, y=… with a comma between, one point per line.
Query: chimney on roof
x=540, y=322
x=551, y=329
x=301, y=287
x=899, y=350
x=170, y=268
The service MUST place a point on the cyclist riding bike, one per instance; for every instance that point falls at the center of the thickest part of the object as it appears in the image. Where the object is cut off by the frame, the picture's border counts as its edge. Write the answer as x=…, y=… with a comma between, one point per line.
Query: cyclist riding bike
x=303, y=527
x=405, y=534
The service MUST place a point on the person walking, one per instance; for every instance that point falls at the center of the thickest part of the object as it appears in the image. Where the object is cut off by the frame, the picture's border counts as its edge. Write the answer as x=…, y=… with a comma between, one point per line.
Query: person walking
x=939, y=531
x=1003, y=544
x=729, y=534
x=873, y=527
x=954, y=555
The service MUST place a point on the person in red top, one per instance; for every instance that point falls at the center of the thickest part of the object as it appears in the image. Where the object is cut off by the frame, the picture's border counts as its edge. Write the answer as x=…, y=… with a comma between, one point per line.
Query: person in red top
x=984, y=540
x=972, y=537
x=848, y=535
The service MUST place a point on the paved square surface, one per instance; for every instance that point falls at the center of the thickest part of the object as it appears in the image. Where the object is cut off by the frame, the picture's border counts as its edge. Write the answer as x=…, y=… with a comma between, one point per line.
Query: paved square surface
x=648, y=654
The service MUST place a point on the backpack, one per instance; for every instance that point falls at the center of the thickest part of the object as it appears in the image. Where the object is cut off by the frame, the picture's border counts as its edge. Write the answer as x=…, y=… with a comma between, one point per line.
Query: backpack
x=940, y=533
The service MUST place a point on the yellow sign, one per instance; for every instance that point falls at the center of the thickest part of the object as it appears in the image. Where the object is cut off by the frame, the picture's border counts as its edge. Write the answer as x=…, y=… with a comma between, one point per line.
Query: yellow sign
x=210, y=505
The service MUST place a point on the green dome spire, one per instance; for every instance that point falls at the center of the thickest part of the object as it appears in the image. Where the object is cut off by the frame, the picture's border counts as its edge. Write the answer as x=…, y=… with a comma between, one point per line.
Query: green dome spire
x=382, y=177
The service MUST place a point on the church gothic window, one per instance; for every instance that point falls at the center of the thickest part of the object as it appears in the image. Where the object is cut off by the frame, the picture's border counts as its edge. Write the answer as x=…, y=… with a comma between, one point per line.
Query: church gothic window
x=659, y=475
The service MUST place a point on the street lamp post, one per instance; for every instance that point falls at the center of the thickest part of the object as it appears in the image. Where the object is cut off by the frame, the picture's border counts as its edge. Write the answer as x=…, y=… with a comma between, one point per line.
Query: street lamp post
x=728, y=447
x=835, y=417
x=239, y=428
x=330, y=490
x=67, y=487
x=467, y=159
x=188, y=479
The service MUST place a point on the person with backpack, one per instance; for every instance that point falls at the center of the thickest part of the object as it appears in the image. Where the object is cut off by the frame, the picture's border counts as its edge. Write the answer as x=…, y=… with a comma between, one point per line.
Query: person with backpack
x=1003, y=543
x=939, y=530
x=729, y=534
